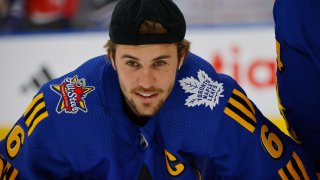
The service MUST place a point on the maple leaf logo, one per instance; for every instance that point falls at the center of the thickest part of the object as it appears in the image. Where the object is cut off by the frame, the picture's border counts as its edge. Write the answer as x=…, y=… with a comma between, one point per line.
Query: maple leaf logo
x=204, y=90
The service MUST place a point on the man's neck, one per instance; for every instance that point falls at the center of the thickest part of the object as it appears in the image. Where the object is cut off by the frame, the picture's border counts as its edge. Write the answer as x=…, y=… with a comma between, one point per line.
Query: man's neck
x=135, y=119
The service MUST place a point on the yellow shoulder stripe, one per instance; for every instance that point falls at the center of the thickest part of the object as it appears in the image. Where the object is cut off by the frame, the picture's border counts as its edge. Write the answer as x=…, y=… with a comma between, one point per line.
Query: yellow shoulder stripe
x=31, y=105
x=294, y=169
x=35, y=113
x=6, y=170
x=244, y=97
x=240, y=109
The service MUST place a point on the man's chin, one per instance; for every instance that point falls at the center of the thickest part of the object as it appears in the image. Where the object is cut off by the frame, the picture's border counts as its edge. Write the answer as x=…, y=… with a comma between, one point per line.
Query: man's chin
x=146, y=113
x=142, y=109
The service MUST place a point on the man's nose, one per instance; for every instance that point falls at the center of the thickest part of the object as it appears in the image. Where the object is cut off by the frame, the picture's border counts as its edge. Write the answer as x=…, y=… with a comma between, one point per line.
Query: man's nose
x=146, y=78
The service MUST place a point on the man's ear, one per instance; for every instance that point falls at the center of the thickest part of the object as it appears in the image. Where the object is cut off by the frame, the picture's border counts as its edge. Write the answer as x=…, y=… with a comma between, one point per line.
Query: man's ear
x=181, y=61
x=112, y=61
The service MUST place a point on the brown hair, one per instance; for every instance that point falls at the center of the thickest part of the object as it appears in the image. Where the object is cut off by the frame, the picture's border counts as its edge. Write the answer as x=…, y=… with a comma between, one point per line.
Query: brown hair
x=151, y=27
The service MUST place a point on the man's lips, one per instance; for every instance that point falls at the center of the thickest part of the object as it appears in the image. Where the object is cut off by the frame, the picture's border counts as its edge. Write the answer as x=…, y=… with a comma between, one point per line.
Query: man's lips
x=147, y=97
x=147, y=94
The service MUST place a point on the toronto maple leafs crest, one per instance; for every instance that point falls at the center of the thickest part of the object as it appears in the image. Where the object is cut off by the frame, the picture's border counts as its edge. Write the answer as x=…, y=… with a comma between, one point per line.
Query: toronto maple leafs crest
x=204, y=90
x=73, y=92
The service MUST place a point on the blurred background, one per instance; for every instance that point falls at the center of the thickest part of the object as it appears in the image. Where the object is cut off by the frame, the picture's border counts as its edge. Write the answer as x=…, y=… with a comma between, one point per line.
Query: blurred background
x=44, y=39
x=17, y=16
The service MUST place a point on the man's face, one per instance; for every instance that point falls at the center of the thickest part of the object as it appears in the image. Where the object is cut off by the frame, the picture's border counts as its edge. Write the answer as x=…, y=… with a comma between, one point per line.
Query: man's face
x=146, y=74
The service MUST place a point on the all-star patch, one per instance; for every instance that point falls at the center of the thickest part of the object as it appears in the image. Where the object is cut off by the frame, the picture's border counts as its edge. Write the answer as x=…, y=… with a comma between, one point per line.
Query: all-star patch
x=204, y=90
x=73, y=92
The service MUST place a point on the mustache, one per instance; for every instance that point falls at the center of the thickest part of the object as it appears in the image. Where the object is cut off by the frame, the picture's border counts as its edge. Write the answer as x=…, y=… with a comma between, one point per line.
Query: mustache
x=147, y=90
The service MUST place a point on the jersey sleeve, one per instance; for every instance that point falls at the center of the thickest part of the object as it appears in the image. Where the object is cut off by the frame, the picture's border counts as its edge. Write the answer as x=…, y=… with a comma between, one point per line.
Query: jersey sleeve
x=297, y=26
x=249, y=146
x=30, y=150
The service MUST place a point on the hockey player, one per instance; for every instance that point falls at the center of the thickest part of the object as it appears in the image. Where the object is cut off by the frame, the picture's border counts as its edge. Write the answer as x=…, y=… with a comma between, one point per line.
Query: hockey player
x=150, y=109
x=297, y=31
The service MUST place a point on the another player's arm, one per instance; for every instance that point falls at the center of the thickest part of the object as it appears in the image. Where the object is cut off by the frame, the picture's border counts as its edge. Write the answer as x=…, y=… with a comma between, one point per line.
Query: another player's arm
x=255, y=146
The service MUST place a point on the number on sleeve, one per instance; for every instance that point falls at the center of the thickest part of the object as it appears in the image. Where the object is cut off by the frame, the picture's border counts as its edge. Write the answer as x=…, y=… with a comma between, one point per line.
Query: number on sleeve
x=15, y=141
x=271, y=142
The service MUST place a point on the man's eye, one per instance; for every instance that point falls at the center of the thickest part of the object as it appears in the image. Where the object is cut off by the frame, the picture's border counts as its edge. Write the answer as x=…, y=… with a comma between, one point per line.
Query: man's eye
x=159, y=63
x=132, y=63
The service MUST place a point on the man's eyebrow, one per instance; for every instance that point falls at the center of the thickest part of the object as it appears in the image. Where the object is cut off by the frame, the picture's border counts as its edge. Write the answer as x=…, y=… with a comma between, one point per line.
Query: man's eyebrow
x=161, y=57
x=129, y=57
x=137, y=59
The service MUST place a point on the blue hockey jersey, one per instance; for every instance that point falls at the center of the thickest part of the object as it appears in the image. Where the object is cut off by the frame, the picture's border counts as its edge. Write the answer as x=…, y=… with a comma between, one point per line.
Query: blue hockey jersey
x=76, y=128
x=297, y=31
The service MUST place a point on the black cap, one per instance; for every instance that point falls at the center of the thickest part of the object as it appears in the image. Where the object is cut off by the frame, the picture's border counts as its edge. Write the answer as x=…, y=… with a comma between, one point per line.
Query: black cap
x=129, y=14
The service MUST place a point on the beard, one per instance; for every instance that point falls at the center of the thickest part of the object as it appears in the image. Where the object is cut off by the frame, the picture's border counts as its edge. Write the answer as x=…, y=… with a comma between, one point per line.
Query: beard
x=156, y=106
x=132, y=105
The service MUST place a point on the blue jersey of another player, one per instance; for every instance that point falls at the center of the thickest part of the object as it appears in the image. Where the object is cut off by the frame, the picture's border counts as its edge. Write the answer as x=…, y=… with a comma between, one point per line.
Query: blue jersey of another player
x=76, y=128
x=297, y=31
